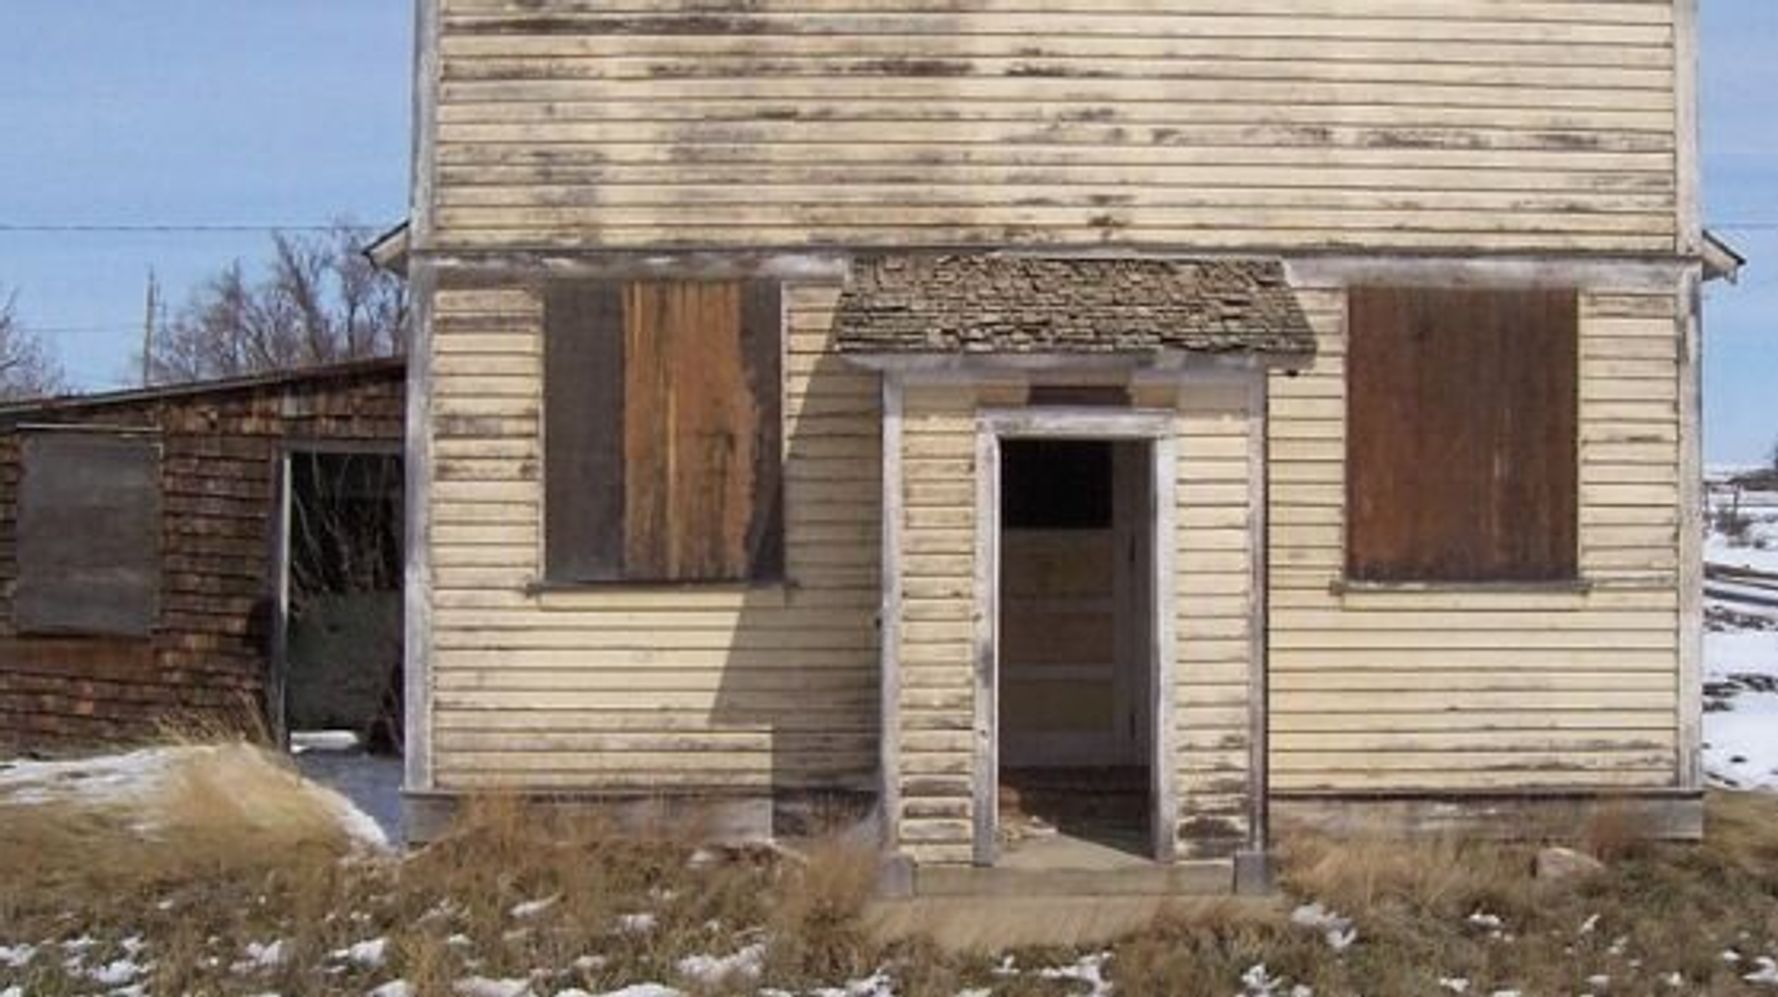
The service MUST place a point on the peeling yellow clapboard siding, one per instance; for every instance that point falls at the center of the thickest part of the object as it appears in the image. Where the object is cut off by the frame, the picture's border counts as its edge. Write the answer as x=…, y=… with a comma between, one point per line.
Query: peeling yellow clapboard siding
x=607, y=664
x=1299, y=122
x=1446, y=689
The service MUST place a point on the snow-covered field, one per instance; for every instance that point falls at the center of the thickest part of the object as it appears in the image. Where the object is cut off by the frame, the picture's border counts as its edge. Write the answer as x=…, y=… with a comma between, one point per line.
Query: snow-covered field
x=1741, y=651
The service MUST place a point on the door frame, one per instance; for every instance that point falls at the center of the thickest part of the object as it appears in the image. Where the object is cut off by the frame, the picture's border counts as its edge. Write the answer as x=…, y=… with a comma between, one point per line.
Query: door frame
x=1157, y=428
x=277, y=680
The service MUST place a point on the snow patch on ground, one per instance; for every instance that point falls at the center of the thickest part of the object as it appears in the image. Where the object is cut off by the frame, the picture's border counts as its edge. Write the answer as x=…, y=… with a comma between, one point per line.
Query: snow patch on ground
x=114, y=779
x=534, y=908
x=1759, y=554
x=637, y=924
x=481, y=986
x=1337, y=930
x=371, y=782
x=714, y=970
x=1741, y=654
x=1090, y=971
x=116, y=974
x=137, y=781
x=643, y=990
x=369, y=954
x=1741, y=716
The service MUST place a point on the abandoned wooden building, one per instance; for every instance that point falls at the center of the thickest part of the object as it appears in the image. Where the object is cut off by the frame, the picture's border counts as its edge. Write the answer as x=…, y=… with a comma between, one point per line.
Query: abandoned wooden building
x=195, y=556
x=1062, y=430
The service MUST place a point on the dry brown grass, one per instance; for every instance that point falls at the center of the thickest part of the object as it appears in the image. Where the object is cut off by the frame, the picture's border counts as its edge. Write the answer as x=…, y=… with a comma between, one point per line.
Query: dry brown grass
x=816, y=921
x=251, y=867
x=218, y=811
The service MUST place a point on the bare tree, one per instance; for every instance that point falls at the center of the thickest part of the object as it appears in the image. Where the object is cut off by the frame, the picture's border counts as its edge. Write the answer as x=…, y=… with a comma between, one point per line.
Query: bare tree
x=28, y=369
x=319, y=301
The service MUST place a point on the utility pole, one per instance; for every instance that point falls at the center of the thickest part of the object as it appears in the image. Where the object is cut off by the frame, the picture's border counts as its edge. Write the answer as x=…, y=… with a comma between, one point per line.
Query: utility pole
x=148, y=319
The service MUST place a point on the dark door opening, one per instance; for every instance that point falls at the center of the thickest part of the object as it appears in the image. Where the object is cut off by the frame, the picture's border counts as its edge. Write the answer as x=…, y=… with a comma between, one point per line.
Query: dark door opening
x=1074, y=651
x=339, y=669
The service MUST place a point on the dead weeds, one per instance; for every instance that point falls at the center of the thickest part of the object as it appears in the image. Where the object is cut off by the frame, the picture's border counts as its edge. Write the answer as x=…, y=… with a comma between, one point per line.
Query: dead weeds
x=548, y=899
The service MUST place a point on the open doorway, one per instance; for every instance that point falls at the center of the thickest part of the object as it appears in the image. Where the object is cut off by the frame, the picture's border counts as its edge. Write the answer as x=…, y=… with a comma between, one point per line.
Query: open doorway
x=337, y=682
x=1075, y=648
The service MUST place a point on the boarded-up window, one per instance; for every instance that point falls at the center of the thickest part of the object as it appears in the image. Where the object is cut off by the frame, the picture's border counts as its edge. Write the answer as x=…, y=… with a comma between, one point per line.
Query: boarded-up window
x=663, y=432
x=1462, y=435
x=89, y=534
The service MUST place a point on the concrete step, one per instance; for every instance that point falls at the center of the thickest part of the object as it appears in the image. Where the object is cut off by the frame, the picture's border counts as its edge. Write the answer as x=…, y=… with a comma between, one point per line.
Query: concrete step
x=988, y=925
x=1183, y=879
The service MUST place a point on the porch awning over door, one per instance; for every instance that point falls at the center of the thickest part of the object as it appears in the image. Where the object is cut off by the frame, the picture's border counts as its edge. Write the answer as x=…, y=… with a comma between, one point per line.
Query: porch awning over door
x=1008, y=304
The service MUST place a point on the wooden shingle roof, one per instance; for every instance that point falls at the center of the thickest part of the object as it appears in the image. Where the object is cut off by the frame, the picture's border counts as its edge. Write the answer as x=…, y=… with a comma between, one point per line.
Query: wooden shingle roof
x=984, y=303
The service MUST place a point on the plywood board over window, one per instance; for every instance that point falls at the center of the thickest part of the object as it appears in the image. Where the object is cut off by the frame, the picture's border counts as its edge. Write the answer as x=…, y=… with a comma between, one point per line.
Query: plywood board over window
x=664, y=439
x=1463, y=435
x=89, y=534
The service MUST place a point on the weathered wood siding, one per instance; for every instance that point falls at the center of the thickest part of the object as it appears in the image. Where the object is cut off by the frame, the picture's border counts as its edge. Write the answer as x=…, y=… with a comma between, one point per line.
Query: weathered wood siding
x=1409, y=124
x=707, y=688
x=206, y=660
x=936, y=767
x=1216, y=526
x=1213, y=660
x=1477, y=689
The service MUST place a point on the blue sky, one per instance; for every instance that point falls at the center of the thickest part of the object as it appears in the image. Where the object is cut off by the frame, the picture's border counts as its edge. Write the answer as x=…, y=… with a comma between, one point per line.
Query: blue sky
x=293, y=112
x=1740, y=81
x=195, y=112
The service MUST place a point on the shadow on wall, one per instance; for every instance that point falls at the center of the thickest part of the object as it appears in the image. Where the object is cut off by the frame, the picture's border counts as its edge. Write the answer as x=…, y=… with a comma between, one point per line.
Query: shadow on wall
x=802, y=667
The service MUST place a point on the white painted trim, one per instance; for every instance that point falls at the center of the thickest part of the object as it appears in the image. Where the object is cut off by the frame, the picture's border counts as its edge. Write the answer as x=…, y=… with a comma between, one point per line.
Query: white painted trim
x=278, y=682
x=1482, y=271
x=540, y=256
x=1691, y=534
x=972, y=367
x=986, y=775
x=889, y=618
x=1070, y=423
x=1687, y=124
x=423, y=285
x=1259, y=621
x=417, y=582
x=428, y=35
x=818, y=266
x=1160, y=429
x=1164, y=692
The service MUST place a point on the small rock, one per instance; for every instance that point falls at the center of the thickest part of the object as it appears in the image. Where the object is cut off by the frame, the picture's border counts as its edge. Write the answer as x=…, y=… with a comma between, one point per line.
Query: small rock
x=1557, y=864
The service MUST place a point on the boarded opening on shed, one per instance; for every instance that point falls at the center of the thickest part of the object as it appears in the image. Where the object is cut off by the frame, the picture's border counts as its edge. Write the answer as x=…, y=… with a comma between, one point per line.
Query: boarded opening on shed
x=343, y=661
x=88, y=533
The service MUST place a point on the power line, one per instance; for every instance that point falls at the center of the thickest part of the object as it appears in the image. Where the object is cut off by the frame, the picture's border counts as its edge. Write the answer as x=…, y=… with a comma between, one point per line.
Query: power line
x=172, y=229
x=77, y=330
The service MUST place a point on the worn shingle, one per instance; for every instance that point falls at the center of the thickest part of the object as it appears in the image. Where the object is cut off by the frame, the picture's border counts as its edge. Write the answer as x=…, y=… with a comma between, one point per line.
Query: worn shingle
x=912, y=303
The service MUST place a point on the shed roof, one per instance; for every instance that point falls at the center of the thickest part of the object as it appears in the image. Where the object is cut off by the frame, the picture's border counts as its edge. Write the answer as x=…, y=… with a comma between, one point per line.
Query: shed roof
x=990, y=303
x=384, y=367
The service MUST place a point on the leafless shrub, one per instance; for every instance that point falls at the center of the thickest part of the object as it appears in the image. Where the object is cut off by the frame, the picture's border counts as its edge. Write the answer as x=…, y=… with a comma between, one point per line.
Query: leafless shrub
x=345, y=525
x=319, y=301
x=28, y=369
